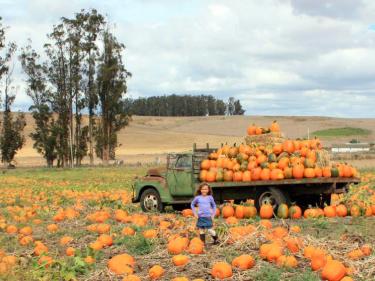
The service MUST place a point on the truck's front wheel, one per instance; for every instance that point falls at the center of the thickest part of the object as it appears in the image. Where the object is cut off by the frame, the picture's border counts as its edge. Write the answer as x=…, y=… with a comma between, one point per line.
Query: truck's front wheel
x=151, y=201
x=272, y=196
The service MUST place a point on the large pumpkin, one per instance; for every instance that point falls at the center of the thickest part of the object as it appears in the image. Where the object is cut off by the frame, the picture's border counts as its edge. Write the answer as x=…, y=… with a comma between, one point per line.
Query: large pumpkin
x=266, y=211
x=221, y=270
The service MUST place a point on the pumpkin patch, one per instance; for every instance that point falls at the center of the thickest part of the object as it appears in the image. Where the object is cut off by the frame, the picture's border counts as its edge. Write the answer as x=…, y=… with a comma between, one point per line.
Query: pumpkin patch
x=55, y=225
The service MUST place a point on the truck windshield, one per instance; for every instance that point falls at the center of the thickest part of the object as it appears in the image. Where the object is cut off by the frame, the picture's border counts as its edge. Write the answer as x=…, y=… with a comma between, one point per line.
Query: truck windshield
x=183, y=161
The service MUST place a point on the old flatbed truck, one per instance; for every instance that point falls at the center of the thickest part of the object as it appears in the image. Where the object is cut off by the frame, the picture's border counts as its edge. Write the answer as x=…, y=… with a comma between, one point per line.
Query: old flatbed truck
x=175, y=185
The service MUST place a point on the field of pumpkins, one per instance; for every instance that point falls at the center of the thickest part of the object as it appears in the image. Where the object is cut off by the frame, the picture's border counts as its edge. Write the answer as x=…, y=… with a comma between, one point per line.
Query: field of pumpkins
x=80, y=225
x=266, y=155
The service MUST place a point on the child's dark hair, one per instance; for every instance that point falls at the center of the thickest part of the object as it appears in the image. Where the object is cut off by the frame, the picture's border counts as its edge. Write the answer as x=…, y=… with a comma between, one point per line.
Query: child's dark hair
x=198, y=191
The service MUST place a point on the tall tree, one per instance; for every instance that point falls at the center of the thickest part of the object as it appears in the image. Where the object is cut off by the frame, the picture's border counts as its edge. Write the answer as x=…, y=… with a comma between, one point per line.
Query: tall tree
x=46, y=130
x=93, y=25
x=111, y=86
x=57, y=69
x=11, y=138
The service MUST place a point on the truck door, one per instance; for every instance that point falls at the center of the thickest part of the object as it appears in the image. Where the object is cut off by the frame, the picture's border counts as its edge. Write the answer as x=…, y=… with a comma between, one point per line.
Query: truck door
x=179, y=175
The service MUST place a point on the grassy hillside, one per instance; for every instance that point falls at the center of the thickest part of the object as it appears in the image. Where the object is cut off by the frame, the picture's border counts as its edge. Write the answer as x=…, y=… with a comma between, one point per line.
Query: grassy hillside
x=147, y=137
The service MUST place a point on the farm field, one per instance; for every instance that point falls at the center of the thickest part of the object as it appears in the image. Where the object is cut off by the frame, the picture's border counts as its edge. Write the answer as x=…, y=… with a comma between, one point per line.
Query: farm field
x=149, y=137
x=70, y=224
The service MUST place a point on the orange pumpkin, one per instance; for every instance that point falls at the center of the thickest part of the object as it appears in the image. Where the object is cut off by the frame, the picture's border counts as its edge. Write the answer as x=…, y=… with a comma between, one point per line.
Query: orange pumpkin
x=243, y=262
x=266, y=211
x=251, y=130
x=227, y=211
x=180, y=260
x=333, y=271
x=221, y=270
x=265, y=174
x=156, y=272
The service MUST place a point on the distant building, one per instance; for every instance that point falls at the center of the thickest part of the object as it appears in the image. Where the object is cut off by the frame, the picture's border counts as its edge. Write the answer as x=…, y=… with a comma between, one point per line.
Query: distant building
x=350, y=148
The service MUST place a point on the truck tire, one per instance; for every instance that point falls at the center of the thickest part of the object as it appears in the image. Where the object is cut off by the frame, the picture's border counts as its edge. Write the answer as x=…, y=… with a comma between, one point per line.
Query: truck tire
x=271, y=195
x=151, y=201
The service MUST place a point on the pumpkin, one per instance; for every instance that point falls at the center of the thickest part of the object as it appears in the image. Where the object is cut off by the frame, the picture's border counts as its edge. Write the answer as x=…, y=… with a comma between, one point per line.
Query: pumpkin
x=288, y=146
x=333, y=271
x=277, y=149
x=89, y=260
x=70, y=251
x=45, y=261
x=287, y=261
x=121, y=264
x=227, y=211
x=27, y=230
x=330, y=211
x=318, y=259
x=156, y=272
x=11, y=229
x=196, y=248
x=327, y=172
x=275, y=127
x=251, y=130
x=228, y=175
x=341, y=210
x=274, y=252
x=308, y=252
x=237, y=176
x=298, y=171
x=221, y=270
x=355, y=211
x=177, y=246
x=277, y=174
x=203, y=175
x=288, y=172
x=366, y=249
x=309, y=173
x=283, y=211
x=127, y=231
x=240, y=212
x=265, y=174
x=295, y=212
x=272, y=157
x=243, y=262
x=318, y=172
x=187, y=213
x=266, y=211
x=210, y=176
x=255, y=173
x=258, y=131
x=180, y=260
x=246, y=176
x=205, y=164
x=250, y=212
x=335, y=172
x=106, y=240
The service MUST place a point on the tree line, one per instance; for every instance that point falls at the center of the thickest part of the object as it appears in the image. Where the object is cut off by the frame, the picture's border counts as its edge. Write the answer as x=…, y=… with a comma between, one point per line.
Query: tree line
x=81, y=72
x=183, y=105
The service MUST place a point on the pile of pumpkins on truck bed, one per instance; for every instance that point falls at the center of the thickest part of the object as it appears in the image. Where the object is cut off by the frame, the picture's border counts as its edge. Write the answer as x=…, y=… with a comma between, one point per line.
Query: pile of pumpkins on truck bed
x=274, y=158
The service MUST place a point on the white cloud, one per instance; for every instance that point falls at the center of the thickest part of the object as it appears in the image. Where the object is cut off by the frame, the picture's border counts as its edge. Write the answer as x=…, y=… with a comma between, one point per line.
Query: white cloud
x=278, y=57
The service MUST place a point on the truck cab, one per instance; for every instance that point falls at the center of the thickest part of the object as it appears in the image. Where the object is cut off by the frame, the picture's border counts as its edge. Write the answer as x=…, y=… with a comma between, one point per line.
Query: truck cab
x=172, y=185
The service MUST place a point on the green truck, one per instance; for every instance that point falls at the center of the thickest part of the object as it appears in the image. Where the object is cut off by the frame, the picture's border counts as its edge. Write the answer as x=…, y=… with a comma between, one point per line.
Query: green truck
x=175, y=185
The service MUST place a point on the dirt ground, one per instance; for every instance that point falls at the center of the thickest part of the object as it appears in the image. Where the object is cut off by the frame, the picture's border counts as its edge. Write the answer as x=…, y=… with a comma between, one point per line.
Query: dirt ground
x=148, y=138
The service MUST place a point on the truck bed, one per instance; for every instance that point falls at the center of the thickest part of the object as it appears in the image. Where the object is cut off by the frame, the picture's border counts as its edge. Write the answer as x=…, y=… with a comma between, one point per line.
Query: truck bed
x=303, y=181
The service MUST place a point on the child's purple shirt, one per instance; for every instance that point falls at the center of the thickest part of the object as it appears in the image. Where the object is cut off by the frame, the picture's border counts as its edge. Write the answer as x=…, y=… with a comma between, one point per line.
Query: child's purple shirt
x=206, y=205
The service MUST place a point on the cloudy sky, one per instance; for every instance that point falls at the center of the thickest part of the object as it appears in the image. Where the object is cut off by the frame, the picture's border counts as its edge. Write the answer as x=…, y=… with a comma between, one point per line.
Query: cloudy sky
x=279, y=57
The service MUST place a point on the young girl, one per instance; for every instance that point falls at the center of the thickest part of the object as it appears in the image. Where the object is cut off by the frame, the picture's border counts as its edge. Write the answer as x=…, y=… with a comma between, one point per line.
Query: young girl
x=206, y=211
